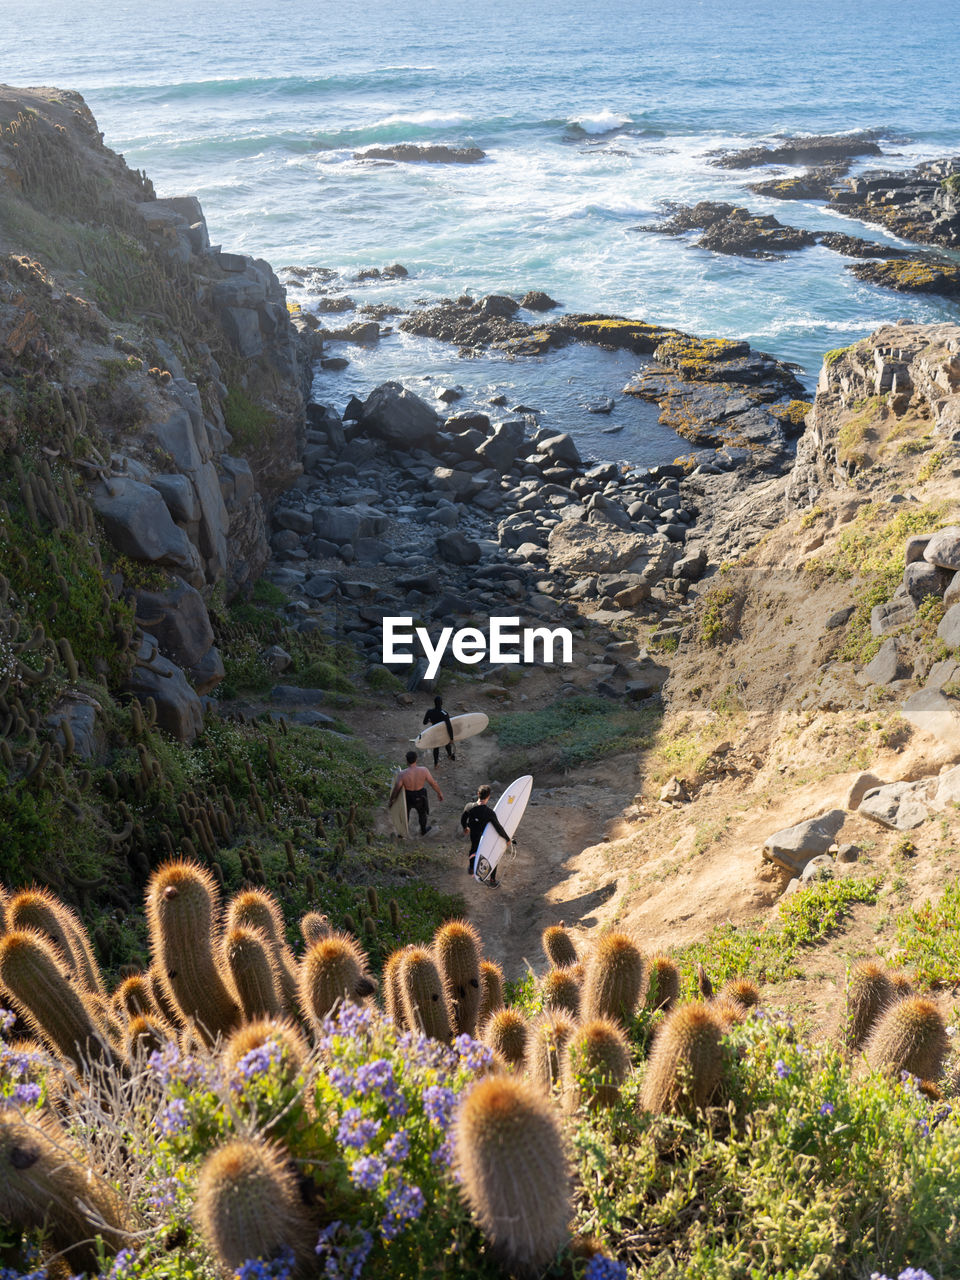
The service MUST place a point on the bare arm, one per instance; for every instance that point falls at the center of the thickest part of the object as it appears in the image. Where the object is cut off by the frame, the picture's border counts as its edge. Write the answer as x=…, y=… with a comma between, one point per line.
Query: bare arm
x=434, y=785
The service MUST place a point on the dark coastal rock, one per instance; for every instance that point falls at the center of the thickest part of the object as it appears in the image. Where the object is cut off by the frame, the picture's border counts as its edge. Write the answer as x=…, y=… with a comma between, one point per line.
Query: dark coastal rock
x=813, y=150
x=537, y=300
x=410, y=153
x=456, y=548
x=922, y=205
x=854, y=247
x=140, y=526
x=177, y=619
x=466, y=325
x=179, y=709
x=911, y=275
x=327, y=305
x=396, y=415
x=814, y=184
x=732, y=229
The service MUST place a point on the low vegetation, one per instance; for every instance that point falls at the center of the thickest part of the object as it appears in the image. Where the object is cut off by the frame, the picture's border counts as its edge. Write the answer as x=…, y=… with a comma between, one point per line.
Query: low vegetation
x=574, y=731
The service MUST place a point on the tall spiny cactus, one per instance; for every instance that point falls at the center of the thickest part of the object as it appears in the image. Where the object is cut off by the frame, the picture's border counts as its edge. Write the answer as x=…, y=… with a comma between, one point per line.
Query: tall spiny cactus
x=44, y=1184
x=558, y=947
x=869, y=991
x=663, y=984
x=614, y=979
x=294, y=1050
x=182, y=906
x=686, y=1063
x=31, y=974
x=248, y=958
x=491, y=990
x=546, y=1046
x=257, y=909
x=424, y=998
x=333, y=970
x=742, y=991
x=909, y=1036
x=133, y=998
x=40, y=911
x=560, y=990
x=457, y=948
x=596, y=1064
x=315, y=926
x=506, y=1032
x=514, y=1171
x=88, y=971
x=392, y=990
x=144, y=1035
x=248, y=1206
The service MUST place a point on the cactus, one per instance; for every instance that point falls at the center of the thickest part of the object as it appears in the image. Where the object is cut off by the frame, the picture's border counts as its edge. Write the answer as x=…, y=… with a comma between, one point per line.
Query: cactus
x=730, y=1012
x=546, y=1046
x=491, y=990
x=294, y=1050
x=560, y=990
x=133, y=997
x=614, y=979
x=424, y=997
x=869, y=991
x=506, y=1032
x=392, y=990
x=333, y=970
x=457, y=948
x=143, y=1036
x=686, y=1062
x=900, y=984
x=88, y=971
x=256, y=909
x=315, y=926
x=741, y=991
x=393, y=906
x=250, y=963
x=558, y=947
x=38, y=910
x=248, y=1205
x=43, y=1184
x=663, y=984
x=514, y=1171
x=182, y=901
x=31, y=974
x=909, y=1036
x=595, y=1065
x=164, y=1005
x=373, y=900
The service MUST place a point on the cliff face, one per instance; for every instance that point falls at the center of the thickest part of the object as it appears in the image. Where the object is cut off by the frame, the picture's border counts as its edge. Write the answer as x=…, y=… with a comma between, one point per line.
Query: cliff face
x=181, y=356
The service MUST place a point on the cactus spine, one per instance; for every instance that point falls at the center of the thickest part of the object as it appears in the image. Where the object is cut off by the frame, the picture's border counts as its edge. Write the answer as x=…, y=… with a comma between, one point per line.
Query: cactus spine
x=132, y=997
x=558, y=947
x=685, y=1067
x=182, y=901
x=294, y=1050
x=663, y=984
x=741, y=991
x=424, y=998
x=596, y=1064
x=614, y=979
x=869, y=991
x=255, y=909
x=515, y=1175
x=560, y=990
x=44, y=1184
x=38, y=910
x=31, y=973
x=314, y=926
x=910, y=1036
x=392, y=990
x=248, y=1206
x=491, y=990
x=546, y=1046
x=333, y=970
x=457, y=947
x=247, y=957
x=506, y=1032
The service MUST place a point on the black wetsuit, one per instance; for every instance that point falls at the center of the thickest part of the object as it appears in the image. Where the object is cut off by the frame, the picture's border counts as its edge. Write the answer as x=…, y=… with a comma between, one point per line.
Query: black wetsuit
x=434, y=716
x=476, y=818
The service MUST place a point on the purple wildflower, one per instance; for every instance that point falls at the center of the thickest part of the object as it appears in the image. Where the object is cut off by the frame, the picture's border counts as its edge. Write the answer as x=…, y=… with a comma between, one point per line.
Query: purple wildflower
x=374, y=1077
x=398, y=1148
x=7, y=1019
x=438, y=1103
x=827, y=1108
x=122, y=1264
x=173, y=1118
x=26, y=1093
x=601, y=1268
x=404, y=1204
x=368, y=1173
x=355, y=1131
x=781, y=1068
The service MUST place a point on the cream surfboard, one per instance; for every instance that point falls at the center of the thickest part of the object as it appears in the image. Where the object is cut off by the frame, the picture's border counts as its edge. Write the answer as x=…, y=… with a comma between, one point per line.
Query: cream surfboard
x=467, y=726
x=398, y=810
x=509, y=809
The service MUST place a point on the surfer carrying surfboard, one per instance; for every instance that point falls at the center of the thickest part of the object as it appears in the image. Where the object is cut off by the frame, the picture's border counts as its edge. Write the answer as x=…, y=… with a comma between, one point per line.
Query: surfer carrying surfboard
x=414, y=780
x=437, y=715
x=474, y=821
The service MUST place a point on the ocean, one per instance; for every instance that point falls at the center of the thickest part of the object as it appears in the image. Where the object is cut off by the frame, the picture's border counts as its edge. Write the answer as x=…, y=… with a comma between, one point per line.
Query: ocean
x=593, y=117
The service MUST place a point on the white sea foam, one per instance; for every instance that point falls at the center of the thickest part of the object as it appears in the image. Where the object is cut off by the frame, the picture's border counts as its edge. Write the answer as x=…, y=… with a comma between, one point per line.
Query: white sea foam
x=603, y=122
x=439, y=119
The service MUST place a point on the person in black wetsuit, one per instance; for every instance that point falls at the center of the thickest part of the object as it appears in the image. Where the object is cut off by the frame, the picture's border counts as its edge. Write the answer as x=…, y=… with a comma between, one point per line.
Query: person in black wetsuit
x=434, y=715
x=474, y=821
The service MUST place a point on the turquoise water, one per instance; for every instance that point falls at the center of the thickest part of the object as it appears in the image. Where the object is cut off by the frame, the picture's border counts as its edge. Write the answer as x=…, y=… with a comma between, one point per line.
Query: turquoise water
x=592, y=116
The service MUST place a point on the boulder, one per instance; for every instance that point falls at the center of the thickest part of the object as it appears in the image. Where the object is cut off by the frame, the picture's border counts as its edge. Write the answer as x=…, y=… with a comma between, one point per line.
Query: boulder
x=915, y=547
x=889, y=663
x=949, y=628
x=576, y=547
x=947, y=794
x=861, y=784
x=140, y=526
x=177, y=619
x=897, y=805
x=931, y=711
x=886, y=618
x=793, y=847
x=455, y=548
x=922, y=579
x=943, y=549
x=79, y=711
x=952, y=594
x=821, y=865
x=501, y=448
x=179, y=495
x=208, y=672
x=179, y=709
x=674, y=792
x=398, y=416
x=561, y=448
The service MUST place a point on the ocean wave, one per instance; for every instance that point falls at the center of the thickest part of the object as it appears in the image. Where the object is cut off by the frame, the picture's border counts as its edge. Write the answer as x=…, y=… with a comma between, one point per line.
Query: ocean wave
x=605, y=121
x=435, y=119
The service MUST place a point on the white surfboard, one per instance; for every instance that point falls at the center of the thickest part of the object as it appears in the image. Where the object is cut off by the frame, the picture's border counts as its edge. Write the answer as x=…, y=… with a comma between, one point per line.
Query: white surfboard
x=468, y=726
x=509, y=809
x=398, y=810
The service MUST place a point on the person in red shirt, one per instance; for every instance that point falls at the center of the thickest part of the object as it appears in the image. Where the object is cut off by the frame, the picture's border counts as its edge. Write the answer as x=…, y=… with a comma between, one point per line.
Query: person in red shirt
x=414, y=780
